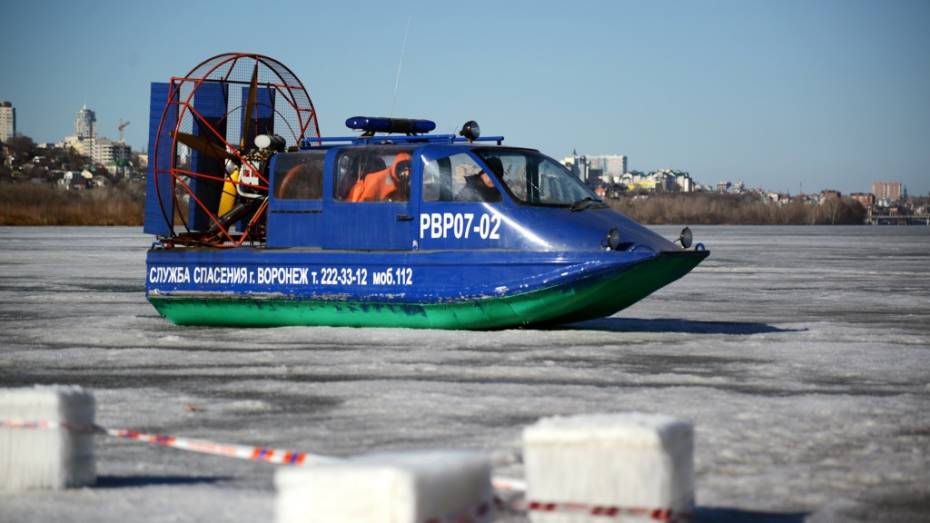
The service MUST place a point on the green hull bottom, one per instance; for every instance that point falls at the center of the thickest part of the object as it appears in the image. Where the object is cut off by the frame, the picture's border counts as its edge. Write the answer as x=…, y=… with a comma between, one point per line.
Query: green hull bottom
x=584, y=299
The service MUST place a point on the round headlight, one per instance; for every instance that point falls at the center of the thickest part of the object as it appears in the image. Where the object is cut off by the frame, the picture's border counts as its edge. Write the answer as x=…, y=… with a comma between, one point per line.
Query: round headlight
x=686, y=238
x=471, y=131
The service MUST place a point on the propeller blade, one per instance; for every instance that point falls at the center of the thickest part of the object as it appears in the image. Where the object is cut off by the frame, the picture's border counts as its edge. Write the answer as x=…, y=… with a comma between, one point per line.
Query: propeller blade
x=204, y=146
x=249, y=107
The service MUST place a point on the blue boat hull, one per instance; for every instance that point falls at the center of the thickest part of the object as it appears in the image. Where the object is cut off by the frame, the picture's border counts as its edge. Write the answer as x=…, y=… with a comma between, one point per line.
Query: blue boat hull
x=439, y=289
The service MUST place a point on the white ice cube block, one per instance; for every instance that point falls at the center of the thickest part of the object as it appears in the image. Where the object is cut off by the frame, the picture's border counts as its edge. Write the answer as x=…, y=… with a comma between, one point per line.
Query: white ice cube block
x=409, y=487
x=630, y=460
x=50, y=458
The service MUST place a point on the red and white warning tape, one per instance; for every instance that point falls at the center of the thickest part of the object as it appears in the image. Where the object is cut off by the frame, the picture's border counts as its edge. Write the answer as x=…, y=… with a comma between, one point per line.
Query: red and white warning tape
x=517, y=487
x=20, y=424
x=266, y=454
x=609, y=511
x=290, y=457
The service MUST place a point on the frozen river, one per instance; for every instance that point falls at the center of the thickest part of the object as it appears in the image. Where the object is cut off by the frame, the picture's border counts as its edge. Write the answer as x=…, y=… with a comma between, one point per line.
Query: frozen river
x=801, y=354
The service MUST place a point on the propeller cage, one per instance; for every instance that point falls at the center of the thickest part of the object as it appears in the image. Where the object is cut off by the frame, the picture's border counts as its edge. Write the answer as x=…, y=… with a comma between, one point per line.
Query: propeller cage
x=203, y=157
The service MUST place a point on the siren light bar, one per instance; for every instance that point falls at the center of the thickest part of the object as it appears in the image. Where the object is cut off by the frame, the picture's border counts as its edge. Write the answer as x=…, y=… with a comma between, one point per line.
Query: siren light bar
x=373, y=125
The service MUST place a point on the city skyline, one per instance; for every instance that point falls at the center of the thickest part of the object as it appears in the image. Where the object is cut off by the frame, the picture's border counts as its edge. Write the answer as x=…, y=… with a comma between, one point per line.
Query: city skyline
x=825, y=94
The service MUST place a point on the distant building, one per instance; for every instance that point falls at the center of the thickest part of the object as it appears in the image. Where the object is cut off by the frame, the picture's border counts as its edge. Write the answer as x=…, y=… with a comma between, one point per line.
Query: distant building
x=109, y=152
x=671, y=180
x=664, y=181
x=7, y=121
x=777, y=197
x=612, y=170
x=884, y=203
x=85, y=123
x=830, y=194
x=99, y=149
x=865, y=198
x=83, y=146
x=596, y=169
x=611, y=166
x=887, y=190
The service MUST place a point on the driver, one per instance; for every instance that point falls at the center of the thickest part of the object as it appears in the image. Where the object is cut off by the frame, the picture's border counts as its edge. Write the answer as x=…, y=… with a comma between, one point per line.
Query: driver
x=391, y=184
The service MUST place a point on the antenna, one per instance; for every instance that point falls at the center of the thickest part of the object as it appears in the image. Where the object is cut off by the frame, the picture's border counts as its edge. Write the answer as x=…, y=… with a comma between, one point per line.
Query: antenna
x=400, y=63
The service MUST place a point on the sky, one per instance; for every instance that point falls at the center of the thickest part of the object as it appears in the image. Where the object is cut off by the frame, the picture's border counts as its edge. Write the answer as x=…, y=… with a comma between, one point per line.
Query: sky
x=786, y=95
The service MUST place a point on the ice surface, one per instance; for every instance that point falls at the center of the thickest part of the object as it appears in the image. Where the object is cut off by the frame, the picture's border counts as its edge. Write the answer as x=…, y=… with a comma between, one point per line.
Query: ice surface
x=52, y=458
x=400, y=487
x=801, y=355
x=627, y=460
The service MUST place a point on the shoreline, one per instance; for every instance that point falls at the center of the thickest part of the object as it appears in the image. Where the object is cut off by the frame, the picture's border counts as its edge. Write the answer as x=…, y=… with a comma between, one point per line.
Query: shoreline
x=123, y=205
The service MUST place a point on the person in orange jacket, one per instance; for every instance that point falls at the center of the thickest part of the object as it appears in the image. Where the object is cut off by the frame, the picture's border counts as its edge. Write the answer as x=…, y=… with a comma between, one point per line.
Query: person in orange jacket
x=391, y=184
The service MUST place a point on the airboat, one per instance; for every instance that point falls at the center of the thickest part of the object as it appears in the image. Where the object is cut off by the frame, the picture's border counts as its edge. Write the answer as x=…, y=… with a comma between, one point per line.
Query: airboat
x=260, y=221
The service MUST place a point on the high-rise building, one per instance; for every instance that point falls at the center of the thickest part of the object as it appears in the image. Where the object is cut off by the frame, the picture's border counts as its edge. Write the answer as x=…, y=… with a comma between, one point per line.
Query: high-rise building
x=85, y=123
x=598, y=168
x=612, y=165
x=109, y=152
x=7, y=121
x=887, y=190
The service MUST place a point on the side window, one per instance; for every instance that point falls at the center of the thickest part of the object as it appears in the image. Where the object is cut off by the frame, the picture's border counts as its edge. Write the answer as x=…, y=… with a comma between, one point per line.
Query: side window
x=299, y=176
x=457, y=178
x=515, y=176
x=372, y=174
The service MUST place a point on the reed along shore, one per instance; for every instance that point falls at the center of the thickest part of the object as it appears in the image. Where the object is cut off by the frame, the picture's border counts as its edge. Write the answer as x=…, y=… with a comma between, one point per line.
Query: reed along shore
x=735, y=209
x=122, y=204
x=28, y=204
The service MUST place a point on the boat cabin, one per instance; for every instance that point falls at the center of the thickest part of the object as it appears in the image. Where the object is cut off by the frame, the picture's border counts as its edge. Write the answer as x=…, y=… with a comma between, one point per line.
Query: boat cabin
x=411, y=196
x=406, y=191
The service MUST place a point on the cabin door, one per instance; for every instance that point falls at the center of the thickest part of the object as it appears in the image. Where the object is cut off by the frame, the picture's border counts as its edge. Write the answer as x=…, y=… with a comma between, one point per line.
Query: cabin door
x=461, y=202
x=371, y=205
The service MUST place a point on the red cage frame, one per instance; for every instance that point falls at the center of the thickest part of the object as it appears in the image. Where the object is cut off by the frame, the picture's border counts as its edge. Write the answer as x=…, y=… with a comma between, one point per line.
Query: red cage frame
x=293, y=93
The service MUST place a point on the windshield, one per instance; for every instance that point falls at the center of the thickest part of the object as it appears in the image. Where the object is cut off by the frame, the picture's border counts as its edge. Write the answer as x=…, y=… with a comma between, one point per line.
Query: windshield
x=534, y=178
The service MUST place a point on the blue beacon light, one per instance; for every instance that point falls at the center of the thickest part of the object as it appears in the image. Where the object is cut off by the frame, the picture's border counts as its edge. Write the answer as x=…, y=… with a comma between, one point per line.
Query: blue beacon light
x=371, y=125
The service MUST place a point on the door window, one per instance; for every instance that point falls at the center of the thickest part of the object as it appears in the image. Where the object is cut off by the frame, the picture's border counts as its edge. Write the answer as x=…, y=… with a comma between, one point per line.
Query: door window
x=299, y=176
x=373, y=174
x=457, y=178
